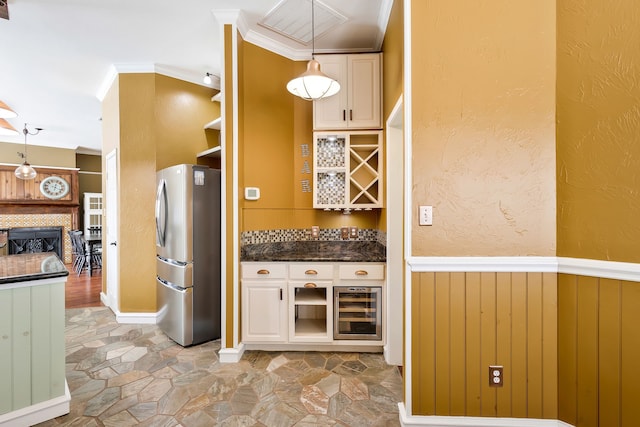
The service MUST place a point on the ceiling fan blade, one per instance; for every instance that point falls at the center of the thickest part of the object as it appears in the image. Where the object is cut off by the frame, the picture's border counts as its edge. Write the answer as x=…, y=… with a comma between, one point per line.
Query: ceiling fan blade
x=4, y=9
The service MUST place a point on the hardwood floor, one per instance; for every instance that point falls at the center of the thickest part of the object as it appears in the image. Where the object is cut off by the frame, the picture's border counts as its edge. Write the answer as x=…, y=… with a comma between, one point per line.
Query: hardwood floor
x=83, y=290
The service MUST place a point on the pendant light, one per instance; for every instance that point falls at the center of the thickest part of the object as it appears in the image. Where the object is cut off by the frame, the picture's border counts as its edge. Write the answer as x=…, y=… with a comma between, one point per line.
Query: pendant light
x=313, y=84
x=25, y=170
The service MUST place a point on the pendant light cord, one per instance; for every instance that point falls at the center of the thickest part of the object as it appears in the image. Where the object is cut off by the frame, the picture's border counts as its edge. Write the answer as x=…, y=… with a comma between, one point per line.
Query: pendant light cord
x=313, y=32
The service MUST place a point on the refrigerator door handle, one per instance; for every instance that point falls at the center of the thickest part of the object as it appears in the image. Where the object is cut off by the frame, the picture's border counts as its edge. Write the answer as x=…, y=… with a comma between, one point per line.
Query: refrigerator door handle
x=171, y=285
x=161, y=212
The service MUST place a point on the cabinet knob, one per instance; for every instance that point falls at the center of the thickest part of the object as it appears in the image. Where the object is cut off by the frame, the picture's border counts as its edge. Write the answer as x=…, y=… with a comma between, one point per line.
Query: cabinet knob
x=361, y=273
x=311, y=272
x=263, y=272
x=310, y=285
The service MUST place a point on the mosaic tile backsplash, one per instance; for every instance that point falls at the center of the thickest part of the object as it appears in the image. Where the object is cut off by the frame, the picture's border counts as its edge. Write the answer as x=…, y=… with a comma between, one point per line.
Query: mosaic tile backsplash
x=303, y=234
x=42, y=220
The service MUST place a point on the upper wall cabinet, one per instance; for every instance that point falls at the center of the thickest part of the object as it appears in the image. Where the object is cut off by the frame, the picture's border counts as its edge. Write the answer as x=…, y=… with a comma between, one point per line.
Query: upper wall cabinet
x=358, y=105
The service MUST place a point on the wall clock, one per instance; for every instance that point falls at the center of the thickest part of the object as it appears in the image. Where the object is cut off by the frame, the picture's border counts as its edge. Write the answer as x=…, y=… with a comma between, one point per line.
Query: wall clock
x=54, y=187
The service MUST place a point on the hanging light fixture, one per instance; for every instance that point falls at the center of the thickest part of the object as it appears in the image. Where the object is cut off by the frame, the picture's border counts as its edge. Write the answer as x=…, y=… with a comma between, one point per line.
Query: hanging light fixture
x=207, y=78
x=6, y=129
x=313, y=84
x=6, y=112
x=25, y=170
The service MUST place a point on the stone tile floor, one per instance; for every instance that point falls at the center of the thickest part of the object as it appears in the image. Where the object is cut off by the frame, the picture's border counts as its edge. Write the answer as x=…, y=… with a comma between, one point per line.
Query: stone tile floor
x=133, y=375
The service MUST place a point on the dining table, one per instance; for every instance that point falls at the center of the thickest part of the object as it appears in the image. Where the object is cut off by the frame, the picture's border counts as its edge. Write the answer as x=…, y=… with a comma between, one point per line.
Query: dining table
x=92, y=240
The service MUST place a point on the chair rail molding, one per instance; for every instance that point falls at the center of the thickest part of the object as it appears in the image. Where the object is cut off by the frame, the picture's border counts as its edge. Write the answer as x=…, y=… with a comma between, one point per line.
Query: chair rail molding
x=580, y=266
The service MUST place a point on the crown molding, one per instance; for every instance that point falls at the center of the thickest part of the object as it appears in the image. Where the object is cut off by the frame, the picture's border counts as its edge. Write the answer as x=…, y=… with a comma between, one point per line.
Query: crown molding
x=141, y=68
x=227, y=16
x=383, y=21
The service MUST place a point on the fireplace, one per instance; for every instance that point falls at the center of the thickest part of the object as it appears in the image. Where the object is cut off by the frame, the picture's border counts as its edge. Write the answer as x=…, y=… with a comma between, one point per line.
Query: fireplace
x=35, y=239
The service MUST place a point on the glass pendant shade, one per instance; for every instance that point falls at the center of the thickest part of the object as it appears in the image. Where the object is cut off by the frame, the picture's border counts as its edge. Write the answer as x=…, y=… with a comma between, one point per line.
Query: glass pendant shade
x=25, y=171
x=7, y=129
x=313, y=84
x=6, y=112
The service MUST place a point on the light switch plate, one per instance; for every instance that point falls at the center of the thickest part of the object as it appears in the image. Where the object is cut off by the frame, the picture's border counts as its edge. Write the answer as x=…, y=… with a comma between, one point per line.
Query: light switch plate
x=353, y=232
x=425, y=215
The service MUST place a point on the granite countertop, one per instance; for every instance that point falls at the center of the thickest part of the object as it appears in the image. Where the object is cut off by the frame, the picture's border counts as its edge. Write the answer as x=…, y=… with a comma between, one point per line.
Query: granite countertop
x=316, y=250
x=28, y=267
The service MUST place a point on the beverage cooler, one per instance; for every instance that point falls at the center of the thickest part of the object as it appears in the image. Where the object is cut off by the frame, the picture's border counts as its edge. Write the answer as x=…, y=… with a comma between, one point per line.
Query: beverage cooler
x=357, y=313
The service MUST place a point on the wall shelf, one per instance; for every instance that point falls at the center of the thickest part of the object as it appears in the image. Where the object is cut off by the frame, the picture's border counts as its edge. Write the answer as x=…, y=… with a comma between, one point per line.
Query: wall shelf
x=211, y=152
x=214, y=124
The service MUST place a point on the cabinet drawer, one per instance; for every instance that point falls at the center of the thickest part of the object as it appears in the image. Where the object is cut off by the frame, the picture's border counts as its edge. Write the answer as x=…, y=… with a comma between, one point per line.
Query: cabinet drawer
x=311, y=271
x=264, y=271
x=362, y=272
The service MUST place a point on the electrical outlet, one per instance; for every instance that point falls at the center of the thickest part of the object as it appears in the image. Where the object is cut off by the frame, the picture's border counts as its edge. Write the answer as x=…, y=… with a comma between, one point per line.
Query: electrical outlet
x=353, y=232
x=425, y=216
x=344, y=233
x=315, y=231
x=496, y=377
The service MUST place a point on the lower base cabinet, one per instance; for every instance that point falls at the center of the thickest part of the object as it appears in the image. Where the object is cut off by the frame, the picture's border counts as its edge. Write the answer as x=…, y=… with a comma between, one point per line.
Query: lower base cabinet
x=310, y=315
x=293, y=303
x=264, y=309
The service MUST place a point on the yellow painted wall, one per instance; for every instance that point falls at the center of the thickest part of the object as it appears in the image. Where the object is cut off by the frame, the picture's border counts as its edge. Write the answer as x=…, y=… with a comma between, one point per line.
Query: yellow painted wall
x=598, y=130
x=37, y=155
x=181, y=111
x=392, y=80
x=392, y=59
x=483, y=113
x=483, y=101
x=137, y=168
x=154, y=121
x=274, y=125
x=464, y=322
x=598, y=159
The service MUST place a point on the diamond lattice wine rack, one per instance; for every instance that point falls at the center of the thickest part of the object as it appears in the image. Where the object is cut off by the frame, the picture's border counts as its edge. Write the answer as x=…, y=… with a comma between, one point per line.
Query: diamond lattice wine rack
x=347, y=170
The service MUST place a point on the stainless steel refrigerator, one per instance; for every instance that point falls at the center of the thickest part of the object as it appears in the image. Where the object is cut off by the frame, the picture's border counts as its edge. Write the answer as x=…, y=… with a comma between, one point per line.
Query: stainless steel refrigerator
x=188, y=253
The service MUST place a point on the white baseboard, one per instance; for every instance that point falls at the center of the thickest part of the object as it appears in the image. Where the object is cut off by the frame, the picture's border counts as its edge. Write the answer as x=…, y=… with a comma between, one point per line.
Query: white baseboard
x=137, y=318
x=130, y=318
x=231, y=354
x=439, y=421
x=39, y=412
x=103, y=299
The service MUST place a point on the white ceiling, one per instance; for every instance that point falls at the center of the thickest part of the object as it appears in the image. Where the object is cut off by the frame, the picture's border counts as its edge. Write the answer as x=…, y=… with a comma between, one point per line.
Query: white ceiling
x=58, y=55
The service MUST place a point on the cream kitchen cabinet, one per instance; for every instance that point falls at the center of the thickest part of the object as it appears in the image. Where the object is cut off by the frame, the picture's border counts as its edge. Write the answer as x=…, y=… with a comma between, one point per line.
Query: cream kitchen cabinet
x=358, y=104
x=292, y=305
x=347, y=170
x=264, y=302
x=310, y=302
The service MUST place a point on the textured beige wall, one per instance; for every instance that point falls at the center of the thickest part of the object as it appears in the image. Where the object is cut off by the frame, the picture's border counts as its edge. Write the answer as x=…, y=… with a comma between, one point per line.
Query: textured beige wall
x=37, y=155
x=483, y=127
x=599, y=130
